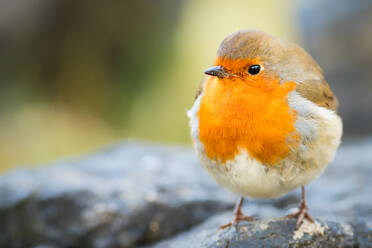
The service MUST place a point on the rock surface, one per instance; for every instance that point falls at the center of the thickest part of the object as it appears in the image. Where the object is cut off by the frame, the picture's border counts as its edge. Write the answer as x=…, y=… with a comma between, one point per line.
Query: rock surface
x=269, y=233
x=124, y=196
x=138, y=194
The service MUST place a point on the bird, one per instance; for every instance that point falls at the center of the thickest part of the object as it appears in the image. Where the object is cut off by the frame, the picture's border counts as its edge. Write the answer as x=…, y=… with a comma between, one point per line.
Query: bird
x=264, y=121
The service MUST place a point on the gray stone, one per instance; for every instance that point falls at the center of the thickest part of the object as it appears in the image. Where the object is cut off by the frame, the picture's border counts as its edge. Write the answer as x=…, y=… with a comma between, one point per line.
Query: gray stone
x=124, y=196
x=269, y=233
x=137, y=194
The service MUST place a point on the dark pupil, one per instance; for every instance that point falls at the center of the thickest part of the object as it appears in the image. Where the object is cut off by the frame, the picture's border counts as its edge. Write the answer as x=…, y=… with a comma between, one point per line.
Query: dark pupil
x=254, y=69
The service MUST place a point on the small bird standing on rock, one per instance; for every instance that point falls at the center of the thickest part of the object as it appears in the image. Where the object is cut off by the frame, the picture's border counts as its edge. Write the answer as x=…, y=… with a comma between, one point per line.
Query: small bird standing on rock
x=264, y=121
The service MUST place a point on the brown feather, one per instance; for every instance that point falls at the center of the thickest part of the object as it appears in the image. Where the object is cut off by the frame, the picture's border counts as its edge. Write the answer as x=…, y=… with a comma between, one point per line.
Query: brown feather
x=199, y=90
x=318, y=92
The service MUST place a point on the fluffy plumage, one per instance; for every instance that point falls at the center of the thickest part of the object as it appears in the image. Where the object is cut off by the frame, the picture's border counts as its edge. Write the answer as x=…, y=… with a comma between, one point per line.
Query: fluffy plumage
x=264, y=135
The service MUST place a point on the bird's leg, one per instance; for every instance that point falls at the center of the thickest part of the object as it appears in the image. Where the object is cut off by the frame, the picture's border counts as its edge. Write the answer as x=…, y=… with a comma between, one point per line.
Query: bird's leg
x=303, y=211
x=238, y=215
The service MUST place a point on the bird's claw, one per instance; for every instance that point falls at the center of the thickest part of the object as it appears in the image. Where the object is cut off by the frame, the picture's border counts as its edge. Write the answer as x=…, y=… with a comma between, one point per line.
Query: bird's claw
x=237, y=218
x=303, y=213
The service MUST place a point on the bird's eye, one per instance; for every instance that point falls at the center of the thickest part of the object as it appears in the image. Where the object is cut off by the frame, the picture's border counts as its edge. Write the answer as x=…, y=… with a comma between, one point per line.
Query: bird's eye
x=254, y=69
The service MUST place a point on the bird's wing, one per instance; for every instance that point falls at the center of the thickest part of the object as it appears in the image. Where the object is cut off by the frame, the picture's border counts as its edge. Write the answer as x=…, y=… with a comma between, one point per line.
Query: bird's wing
x=319, y=92
x=199, y=89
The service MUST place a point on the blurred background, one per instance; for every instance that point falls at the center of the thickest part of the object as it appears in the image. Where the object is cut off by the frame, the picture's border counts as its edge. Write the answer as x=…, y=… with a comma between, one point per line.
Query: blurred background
x=75, y=75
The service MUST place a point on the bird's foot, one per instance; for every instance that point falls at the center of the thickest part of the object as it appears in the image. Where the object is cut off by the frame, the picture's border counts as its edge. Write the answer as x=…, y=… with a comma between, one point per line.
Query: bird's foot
x=303, y=213
x=237, y=218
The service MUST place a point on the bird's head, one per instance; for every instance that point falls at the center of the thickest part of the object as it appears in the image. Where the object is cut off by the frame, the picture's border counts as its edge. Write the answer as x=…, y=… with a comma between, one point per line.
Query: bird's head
x=252, y=56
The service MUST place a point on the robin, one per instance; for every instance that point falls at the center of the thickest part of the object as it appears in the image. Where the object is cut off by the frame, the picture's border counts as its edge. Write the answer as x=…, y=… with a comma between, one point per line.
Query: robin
x=264, y=120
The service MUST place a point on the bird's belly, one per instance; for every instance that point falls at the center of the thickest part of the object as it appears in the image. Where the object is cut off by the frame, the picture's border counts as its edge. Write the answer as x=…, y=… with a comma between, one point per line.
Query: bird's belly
x=248, y=177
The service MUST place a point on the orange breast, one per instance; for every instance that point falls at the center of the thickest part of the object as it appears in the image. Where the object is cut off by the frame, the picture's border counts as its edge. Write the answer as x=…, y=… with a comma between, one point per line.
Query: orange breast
x=253, y=115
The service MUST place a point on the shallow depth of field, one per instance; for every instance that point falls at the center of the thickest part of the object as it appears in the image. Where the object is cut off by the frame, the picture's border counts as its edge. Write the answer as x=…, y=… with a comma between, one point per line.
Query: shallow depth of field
x=77, y=75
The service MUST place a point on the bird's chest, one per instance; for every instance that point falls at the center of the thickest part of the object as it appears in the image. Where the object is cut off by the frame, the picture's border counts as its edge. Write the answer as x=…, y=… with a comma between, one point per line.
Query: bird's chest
x=235, y=116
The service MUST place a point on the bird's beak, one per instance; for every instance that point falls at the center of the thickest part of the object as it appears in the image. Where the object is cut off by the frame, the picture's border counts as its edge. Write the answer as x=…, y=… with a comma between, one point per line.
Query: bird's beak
x=217, y=71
